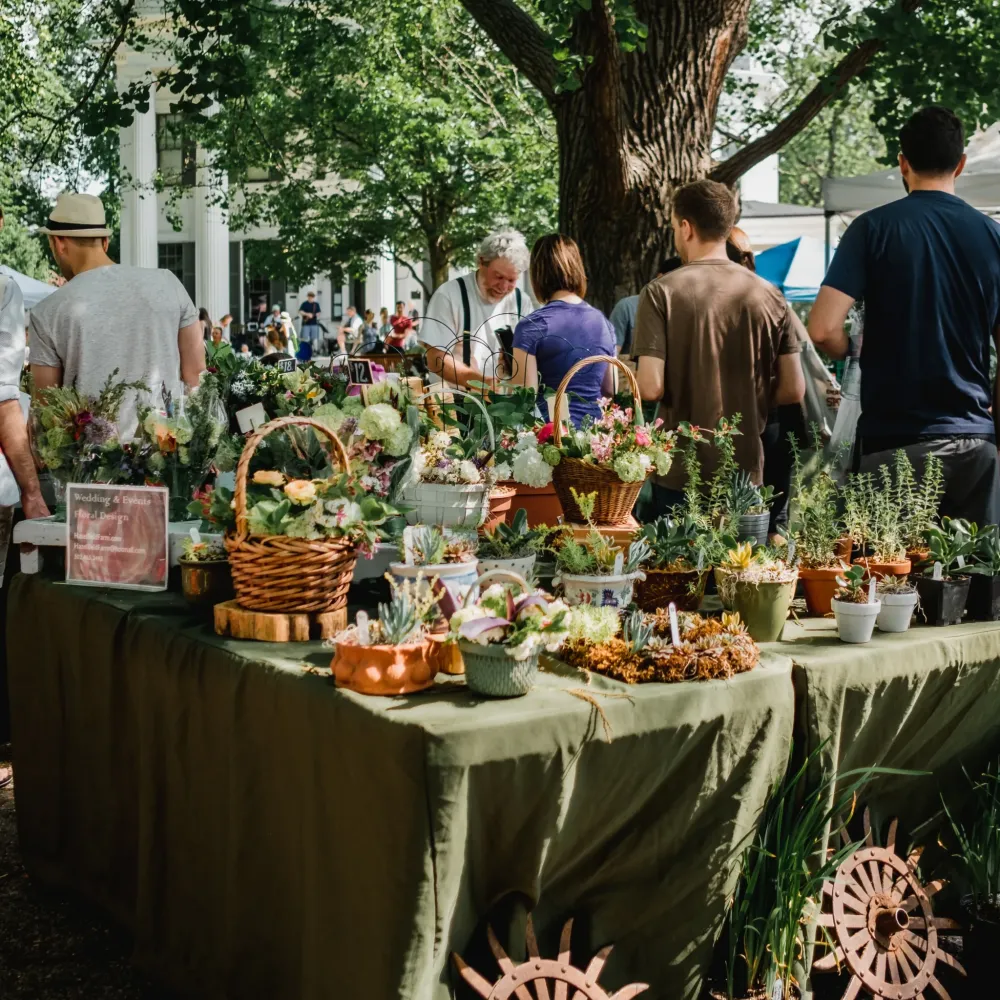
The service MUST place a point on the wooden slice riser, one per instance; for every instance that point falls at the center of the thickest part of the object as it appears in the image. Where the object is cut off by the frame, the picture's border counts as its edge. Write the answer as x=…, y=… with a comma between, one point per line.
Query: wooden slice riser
x=265, y=626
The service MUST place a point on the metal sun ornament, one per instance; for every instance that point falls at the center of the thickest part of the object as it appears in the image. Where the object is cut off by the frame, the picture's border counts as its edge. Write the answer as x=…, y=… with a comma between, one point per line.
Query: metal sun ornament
x=885, y=931
x=549, y=978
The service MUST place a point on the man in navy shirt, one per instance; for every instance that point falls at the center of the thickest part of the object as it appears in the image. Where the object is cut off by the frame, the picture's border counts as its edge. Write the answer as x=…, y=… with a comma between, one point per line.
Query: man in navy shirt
x=927, y=268
x=309, y=311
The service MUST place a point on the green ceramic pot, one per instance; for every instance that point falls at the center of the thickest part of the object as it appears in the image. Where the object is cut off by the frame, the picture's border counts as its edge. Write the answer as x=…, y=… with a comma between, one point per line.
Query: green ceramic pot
x=763, y=607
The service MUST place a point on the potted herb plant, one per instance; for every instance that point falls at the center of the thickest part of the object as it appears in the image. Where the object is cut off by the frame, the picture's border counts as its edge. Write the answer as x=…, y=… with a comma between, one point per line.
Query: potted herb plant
x=984, y=588
x=509, y=546
x=817, y=530
x=205, y=576
x=854, y=611
x=502, y=635
x=751, y=507
x=899, y=598
x=872, y=518
x=977, y=857
x=677, y=566
x=943, y=592
x=918, y=502
x=759, y=585
x=394, y=654
x=594, y=570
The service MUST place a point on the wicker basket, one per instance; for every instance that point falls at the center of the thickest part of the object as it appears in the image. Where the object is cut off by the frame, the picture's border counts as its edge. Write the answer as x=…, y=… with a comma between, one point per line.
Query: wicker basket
x=615, y=499
x=278, y=573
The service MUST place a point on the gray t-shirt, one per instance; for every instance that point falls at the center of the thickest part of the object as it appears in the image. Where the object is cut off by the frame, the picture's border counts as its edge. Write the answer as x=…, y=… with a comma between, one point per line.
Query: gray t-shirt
x=113, y=317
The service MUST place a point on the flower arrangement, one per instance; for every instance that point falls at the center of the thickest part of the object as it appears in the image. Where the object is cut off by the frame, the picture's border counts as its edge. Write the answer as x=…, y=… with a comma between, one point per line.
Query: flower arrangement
x=523, y=626
x=196, y=549
x=639, y=649
x=76, y=437
x=446, y=458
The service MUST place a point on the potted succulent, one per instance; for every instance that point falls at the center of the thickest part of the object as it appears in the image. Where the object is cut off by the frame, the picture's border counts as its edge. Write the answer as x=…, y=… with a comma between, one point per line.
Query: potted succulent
x=899, y=598
x=677, y=566
x=751, y=507
x=944, y=585
x=205, y=576
x=394, y=654
x=977, y=849
x=872, y=519
x=853, y=607
x=510, y=546
x=593, y=570
x=759, y=585
x=918, y=502
x=444, y=564
x=984, y=589
x=501, y=635
x=817, y=531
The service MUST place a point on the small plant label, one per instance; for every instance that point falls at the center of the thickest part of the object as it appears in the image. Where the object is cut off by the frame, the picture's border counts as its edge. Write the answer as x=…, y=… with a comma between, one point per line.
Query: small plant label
x=364, y=636
x=408, y=545
x=871, y=591
x=675, y=636
x=938, y=572
x=961, y=561
x=619, y=563
x=778, y=992
x=251, y=417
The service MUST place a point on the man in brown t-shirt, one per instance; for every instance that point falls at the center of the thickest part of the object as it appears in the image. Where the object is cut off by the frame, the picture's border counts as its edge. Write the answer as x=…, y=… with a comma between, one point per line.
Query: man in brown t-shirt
x=713, y=339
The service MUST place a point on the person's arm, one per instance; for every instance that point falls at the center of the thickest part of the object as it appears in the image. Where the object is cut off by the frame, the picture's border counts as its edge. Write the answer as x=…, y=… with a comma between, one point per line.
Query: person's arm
x=45, y=376
x=525, y=369
x=447, y=367
x=609, y=384
x=649, y=342
x=826, y=322
x=17, y=449
x=790, y=385
x=192, y=350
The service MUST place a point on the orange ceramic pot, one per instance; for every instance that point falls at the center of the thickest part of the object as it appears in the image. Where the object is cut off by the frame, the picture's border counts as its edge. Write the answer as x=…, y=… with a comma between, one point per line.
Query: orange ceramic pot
x=500, y=502
x=387, y=670
x=540, y=502
x=880, y=570
x=918, y=556
x=843, y=548
x=819, y=586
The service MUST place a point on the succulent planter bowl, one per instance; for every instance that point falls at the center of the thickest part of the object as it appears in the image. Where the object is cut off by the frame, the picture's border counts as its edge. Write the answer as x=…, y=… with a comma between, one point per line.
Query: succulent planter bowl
x=491, y=671
x=387, y=670
x=763, y=607
x=753, y=527
x=819, y=586
x=943, y=601
x=984, y=599
x=856, y=622
x=661, y=587
x=600, y=591
x=459, y=578
x=521, y=566
x=897, y=612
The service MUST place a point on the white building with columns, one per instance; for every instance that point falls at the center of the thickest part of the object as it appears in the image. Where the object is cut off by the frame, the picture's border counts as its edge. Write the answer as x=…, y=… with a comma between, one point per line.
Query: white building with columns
x=191, y=235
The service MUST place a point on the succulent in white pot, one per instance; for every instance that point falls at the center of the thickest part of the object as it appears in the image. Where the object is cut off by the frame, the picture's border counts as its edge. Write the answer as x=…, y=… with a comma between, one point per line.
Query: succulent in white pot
x=854, y=607
x=594, y=570
x=445, y=561
x=512, y=547
x=899, y=599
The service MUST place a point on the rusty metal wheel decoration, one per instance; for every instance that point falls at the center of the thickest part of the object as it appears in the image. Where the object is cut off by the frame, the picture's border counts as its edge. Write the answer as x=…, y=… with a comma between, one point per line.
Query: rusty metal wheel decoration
x=883, y=925
x=544, y=978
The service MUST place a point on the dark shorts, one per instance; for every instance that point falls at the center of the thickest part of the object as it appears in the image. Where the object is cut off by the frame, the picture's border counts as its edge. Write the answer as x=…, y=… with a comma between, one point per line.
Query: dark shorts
x=971, y=474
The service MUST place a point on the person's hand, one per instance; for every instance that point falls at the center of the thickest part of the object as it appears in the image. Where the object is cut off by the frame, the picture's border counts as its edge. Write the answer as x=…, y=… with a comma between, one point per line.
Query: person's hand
x=34, y=506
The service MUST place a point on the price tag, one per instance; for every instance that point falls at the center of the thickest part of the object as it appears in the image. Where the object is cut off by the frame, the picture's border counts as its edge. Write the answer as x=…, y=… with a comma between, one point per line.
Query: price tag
x=117, y=536
x=251, y=417
x=285, y=365
x=360, y=371
x=675, y=635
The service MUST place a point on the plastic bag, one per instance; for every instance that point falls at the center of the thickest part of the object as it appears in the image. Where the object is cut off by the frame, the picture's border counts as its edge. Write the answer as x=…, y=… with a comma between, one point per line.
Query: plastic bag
x=846, y=428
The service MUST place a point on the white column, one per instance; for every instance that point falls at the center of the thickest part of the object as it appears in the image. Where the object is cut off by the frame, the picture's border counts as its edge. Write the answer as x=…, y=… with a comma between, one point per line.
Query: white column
x=211, y=235
x=137, y=150
x=386, y=285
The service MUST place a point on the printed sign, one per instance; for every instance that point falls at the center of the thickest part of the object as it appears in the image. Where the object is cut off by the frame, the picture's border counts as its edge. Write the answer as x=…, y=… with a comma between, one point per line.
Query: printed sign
x=361, y=371
x=117, y=536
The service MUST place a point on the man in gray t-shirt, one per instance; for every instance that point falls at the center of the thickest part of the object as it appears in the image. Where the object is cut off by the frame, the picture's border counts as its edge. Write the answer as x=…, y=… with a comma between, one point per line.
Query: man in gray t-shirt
x=138, y=320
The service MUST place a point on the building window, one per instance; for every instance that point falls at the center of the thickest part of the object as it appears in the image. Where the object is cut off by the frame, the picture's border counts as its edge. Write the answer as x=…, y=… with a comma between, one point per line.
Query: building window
x=263, y=174
x=179, y=258
x=176, y=156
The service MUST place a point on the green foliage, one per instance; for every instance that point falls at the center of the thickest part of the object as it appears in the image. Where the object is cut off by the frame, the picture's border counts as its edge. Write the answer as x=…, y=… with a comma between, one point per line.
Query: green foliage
x=677, y=542
x=596, y=555
x=744, y=498
x=399, y=619
x=726, y=469
x=852, y=587
x=510, y=541
x=872, y=517
x=427, y=545
x=952, y=545
x=812, y=518
x=986, y=555
x=636, y=631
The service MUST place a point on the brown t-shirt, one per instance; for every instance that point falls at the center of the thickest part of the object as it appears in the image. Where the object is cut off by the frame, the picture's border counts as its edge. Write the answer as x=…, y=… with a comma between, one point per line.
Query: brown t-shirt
x=719, y=329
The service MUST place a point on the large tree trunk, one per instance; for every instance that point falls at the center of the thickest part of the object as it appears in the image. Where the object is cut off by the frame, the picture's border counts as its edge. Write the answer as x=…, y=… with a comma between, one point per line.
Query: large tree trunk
x=440, y=261
x=639, y=126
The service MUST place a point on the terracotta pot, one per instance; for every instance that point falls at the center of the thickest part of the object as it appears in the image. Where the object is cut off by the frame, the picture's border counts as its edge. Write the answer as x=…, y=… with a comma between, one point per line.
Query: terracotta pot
x=386, y=670
x=500, y=501
x=540, y=502
x=685, y=588
x=819, y=586
x=880, y=570
x=206, y=584
x=918, y=556
x=844, y=547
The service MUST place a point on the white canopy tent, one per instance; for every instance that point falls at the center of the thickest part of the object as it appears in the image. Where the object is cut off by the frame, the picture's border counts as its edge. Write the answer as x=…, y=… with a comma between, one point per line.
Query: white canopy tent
x=32, y=290
x=979, y=184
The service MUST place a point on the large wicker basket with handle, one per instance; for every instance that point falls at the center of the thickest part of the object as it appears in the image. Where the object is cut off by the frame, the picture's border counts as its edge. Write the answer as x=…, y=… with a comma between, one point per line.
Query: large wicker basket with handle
x=278, y=573
x=615, y=499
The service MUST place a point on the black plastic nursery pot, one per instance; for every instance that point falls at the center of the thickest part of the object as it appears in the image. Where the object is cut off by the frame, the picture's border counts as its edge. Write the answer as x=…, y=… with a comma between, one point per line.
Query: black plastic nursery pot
x=984, y=599
x=980, y=945
x=943, y=601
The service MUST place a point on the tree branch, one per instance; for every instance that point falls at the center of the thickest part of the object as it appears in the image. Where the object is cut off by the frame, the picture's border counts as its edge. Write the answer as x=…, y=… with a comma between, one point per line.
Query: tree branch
x=829, y=89
x=420, y=281
x=520, y=39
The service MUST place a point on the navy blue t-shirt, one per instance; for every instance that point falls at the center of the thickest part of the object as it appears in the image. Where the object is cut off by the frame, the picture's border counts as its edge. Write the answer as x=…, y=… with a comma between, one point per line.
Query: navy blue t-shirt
x=560, y=334
x=313, y=309
x=928, y=270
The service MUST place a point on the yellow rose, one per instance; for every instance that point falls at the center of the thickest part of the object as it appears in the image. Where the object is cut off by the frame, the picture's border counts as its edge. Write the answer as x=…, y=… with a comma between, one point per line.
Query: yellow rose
x=301, y=491
x=265, y=477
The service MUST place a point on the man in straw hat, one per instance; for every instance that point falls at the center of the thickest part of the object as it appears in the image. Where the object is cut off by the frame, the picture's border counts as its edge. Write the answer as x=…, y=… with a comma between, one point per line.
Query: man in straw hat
x=107, y=316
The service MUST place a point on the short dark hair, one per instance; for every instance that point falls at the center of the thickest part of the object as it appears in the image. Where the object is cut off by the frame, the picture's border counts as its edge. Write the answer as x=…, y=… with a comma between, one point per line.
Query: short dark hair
x=933, y=140
x=556, y=266
x=709, y=206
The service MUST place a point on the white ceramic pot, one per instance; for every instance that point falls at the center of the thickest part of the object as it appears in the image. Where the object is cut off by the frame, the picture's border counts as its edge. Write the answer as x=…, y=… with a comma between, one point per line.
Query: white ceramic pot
x=897, y=612
x=855, y=622
x=522, y=567
x=446, y=505
x=459, y=578
x=601, y=591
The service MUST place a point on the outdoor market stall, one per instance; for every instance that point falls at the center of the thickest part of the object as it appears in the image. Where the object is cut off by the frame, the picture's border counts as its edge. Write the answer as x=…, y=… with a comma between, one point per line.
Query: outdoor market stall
x=262, y=833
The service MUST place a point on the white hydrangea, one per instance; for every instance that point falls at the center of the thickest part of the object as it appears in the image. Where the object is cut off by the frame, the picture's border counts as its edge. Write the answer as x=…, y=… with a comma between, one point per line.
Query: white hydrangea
x=380, y=392
x=379, y=422
x=440, y=439
x=662, y=461
x=531, y=644
x=399, y=441
x=503, y=471
x=468, y=472
x=645, y=461
x=531, y=469
x=525, y=440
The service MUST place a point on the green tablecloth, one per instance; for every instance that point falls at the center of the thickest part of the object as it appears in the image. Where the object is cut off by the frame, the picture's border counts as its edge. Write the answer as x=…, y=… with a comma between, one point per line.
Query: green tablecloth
x=266, y=835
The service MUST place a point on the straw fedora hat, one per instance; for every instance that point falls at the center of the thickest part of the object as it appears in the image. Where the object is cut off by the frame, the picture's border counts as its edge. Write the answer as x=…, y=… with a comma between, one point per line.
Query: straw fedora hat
x=76, y=215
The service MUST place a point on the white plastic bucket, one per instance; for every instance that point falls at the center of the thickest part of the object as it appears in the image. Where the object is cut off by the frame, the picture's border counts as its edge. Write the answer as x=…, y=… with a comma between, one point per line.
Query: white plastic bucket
x=856, y=622
x=897, y=612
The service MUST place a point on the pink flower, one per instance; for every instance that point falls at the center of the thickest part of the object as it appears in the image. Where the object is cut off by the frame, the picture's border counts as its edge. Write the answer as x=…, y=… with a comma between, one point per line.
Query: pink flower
x=642, y=438
x=545, y=433
x=600, y=447
x=657, y=423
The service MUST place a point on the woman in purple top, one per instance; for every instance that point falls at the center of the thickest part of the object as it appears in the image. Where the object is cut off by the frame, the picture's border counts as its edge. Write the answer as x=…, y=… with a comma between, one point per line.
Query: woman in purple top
x=564, y=330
